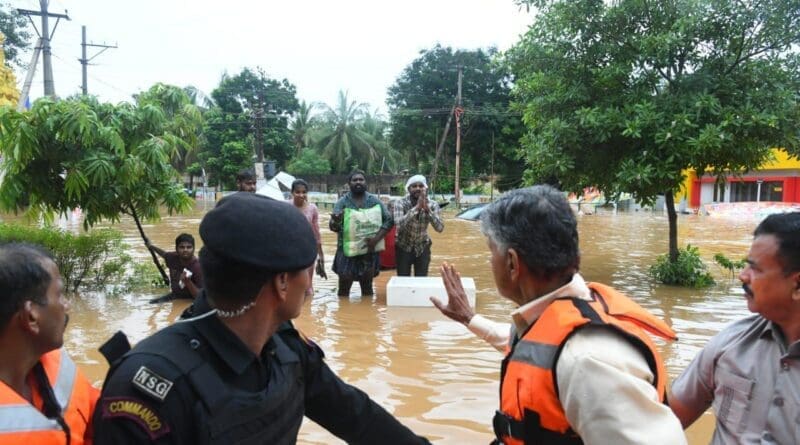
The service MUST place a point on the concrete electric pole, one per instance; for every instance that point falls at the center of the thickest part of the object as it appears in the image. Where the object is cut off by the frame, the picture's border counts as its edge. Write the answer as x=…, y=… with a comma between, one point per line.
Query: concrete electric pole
x=85, y=62
x=45, y=36
x=458, y=112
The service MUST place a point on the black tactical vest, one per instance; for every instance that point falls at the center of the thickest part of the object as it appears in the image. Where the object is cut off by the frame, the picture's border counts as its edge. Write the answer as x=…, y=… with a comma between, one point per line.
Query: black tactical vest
x=227, y=415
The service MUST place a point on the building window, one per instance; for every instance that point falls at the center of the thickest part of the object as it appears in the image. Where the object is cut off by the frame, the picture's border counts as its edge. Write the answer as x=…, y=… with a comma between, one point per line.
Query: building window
x=749, y=191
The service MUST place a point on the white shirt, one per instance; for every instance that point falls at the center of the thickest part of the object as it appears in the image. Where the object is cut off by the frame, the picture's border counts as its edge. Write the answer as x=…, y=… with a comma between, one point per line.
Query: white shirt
x=605, y=385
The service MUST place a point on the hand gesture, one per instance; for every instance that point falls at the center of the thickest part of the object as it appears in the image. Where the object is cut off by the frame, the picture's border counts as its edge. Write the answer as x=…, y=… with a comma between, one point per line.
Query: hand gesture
x=457, y=307
x=422, y=203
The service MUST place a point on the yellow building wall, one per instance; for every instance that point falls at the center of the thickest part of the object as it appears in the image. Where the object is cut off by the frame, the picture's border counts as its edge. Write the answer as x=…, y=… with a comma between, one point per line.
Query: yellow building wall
x=781, y=161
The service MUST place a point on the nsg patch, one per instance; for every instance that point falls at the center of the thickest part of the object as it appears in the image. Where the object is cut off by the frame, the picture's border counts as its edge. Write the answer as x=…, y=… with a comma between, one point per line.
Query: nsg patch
x=151, y=383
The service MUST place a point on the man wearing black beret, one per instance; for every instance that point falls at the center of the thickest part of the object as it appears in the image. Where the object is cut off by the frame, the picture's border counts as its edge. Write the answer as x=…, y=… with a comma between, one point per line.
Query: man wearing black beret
x=239, y=372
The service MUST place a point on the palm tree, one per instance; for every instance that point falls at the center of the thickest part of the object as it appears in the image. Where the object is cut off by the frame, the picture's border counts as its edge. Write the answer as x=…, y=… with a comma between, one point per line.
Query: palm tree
x=341, y=141
x=301, y=126
x=374, y=124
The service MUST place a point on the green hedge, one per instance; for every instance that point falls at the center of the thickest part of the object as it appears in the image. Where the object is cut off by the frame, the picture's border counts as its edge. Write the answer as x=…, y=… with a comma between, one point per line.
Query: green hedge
x=89, y=260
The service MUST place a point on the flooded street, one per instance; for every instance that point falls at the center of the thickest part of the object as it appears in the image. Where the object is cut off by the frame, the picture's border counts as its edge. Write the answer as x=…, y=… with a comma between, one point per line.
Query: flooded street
x=431, y=372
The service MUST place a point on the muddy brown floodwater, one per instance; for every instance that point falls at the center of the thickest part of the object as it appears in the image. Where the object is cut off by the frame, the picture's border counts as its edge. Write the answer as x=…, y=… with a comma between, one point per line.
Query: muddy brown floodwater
x=431, y=372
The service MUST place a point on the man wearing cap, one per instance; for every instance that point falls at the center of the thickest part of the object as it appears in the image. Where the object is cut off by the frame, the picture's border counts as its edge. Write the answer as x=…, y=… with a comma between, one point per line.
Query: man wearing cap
x=240, y=372
x=412, y=214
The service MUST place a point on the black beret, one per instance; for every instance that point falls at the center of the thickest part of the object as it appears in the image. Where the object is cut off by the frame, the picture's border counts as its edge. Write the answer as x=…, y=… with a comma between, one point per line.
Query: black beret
x=259, y=231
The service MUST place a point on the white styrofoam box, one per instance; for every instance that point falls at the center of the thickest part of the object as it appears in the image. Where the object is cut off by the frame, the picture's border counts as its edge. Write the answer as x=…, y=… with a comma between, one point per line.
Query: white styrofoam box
x=416, y=291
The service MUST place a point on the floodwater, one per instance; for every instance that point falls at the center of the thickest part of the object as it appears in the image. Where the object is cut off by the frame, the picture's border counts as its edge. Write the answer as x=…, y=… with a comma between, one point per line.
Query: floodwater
x=431, y=372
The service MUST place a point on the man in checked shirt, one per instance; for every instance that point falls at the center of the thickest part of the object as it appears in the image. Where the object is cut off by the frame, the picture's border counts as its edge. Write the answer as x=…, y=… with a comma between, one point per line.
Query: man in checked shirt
x=412, y=214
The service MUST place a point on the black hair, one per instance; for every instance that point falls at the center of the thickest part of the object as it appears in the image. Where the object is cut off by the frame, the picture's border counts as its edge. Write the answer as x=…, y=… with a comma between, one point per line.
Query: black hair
x=298, y=182
x=356, y=172
x=23, y=277
x=245, y=174
x=231, y=283
x=184, y=238
x=538, y=223
x=786, y=228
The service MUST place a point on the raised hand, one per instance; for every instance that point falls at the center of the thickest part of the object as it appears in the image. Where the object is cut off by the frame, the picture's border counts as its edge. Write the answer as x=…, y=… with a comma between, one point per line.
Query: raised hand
x=457, y=307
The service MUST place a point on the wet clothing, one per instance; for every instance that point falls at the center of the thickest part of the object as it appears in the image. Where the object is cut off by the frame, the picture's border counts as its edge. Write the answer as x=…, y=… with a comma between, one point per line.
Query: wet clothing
x=195, y=382
x=751, y=378
x=412, y=224
x=173, y=261
x=530, y=409
x=594, y=359
x=361, y=267
x=406, y=260
x=63, y=402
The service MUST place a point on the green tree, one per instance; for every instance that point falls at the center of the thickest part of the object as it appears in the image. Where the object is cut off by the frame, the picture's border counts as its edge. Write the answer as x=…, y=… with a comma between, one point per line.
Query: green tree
x=220, y=128
x=301, y=127
x=341, y=141
x=181, y=118
x=231, y=158
x=626, y=95
x=109, y=160
x=422, y=99
x=267, y=104
x=15, y=28
x=309, y=163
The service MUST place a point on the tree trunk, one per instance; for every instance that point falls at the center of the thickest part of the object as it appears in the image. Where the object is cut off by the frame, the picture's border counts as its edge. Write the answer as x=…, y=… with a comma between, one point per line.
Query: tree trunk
x=164, y=275
x=672, y=217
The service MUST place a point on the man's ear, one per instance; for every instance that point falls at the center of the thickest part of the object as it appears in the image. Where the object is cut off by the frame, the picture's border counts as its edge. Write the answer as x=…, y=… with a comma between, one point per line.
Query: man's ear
x=29, y=316
x=796, y=291
x=281, y=285
x=513, y=264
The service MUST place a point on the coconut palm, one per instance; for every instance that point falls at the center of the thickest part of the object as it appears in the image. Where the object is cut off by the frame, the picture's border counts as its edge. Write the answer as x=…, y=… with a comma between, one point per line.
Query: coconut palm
x=341, y=141
x=301, y=126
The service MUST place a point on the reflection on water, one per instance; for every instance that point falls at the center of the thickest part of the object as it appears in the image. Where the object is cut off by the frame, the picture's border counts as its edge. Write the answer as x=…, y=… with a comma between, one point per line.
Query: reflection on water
x=432, y=373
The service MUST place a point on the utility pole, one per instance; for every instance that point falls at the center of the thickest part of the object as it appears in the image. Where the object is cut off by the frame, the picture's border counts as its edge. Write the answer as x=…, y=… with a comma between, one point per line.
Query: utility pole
x=26, y=87
x=85, y=62
x=458, y=112
x=45, y=37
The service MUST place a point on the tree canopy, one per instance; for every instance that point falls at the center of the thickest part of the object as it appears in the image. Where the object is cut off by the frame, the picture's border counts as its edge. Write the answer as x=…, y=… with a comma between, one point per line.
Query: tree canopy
x=261, y=106
x=15, y=28
x=626, y=95
x=422, y=99
x=107, y=160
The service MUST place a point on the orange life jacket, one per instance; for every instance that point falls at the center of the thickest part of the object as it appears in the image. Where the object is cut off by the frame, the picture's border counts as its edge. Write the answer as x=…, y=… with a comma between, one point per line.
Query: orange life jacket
x=530, y=411
x=24, y=424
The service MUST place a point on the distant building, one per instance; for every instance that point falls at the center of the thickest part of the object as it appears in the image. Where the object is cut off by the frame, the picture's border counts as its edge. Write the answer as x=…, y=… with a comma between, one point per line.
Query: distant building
x=9, y=95
x=775, y=181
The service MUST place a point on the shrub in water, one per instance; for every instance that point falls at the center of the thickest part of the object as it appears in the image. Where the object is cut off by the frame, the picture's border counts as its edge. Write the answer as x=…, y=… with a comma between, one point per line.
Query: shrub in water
x=91, y=259
x=689, y=270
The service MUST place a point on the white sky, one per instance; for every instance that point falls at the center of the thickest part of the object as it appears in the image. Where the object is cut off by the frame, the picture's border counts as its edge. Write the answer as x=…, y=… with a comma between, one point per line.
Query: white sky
x=320, y=46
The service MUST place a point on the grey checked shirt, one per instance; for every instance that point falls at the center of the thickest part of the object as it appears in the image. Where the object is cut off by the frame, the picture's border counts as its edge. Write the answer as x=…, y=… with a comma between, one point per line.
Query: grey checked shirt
x=412, y=225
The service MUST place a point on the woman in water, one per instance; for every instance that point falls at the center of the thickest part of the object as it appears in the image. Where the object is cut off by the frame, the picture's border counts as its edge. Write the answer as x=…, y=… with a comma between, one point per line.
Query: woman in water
x=300, y=200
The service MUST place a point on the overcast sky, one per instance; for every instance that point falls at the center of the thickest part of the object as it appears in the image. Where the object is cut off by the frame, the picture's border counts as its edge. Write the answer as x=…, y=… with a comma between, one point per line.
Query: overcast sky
x=320, y=46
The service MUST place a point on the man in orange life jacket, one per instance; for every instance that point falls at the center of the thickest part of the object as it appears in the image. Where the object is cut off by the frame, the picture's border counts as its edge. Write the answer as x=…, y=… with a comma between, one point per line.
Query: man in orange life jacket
x=579, y=366
x=44, y=398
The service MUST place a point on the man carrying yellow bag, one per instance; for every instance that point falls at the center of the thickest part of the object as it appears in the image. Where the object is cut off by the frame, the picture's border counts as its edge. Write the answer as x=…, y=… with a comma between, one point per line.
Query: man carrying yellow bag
x=361, y=221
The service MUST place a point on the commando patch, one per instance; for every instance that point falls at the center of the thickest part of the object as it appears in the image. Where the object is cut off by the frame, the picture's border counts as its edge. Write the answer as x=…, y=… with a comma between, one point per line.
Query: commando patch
x=151, y=383
x=136, y=411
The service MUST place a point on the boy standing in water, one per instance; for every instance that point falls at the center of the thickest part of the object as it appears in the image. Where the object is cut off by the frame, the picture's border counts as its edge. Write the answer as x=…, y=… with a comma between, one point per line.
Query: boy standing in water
x=185, y=276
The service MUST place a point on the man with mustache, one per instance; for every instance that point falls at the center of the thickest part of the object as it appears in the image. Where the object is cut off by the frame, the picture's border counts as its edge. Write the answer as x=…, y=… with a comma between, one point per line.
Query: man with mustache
x=750, y=372
x=412, y=214
x=44, y=397
x=362, y=268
